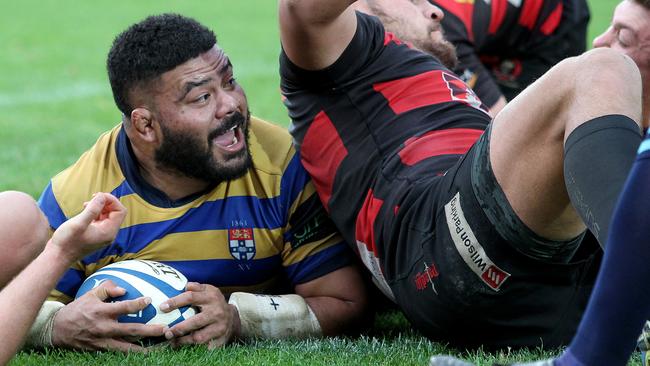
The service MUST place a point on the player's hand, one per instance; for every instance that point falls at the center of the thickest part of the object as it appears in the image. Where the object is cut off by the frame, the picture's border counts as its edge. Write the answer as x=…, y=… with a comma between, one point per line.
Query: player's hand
x=96, y=226
x=90, y=323
x=214, y=324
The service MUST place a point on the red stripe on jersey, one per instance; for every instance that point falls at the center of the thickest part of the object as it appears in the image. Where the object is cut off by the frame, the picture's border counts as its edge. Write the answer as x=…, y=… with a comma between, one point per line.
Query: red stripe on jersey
x=388, y=37
x=498, y=14
x=428, y=88
x=529, y=13
x=553, y=20
x=322, y=140
x=462, y=10
x=365, y=227
x=439, y=142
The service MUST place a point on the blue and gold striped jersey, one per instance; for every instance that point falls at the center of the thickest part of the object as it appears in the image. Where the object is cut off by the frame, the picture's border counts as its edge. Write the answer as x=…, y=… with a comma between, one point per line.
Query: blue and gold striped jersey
x=264, y=232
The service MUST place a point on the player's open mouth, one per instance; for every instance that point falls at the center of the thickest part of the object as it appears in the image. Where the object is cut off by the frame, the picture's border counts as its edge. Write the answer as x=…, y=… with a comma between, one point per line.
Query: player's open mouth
x=232, y=140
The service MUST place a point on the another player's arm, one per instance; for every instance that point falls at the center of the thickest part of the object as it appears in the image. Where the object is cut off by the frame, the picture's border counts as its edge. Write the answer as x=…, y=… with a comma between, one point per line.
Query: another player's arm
x=315, y=33
x=88, y=322
x=96, y=226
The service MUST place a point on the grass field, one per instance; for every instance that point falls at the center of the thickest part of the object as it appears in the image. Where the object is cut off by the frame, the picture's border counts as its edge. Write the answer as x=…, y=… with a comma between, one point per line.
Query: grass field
x=55, y=101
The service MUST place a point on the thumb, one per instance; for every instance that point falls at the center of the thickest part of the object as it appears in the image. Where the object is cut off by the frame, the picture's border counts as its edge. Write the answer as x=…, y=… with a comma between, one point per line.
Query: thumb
x=93, y=209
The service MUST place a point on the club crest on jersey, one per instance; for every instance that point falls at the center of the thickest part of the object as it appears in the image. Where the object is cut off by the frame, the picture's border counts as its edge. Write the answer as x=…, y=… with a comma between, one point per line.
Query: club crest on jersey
x=242, y=244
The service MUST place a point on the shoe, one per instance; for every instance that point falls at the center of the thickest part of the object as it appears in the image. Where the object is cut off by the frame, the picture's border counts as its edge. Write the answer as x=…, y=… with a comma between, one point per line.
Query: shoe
x=452, y=361
x=643, y=344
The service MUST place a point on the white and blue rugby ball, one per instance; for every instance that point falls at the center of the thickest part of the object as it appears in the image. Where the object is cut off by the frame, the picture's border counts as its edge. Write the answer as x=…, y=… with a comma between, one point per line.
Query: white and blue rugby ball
x=143, y=278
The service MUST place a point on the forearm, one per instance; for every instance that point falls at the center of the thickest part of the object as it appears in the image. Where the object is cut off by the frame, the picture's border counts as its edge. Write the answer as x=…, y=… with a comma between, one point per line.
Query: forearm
x=24, y=296
x=291, y=316
x=328, y=305
x=336, y=316
x=272, y=317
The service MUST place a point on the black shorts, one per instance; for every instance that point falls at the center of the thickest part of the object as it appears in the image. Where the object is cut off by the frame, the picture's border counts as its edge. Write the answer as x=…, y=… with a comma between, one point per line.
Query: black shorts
x=478, y=277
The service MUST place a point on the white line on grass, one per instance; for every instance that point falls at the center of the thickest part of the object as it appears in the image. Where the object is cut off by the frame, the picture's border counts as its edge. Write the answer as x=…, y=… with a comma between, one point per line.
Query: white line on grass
x=79, y=90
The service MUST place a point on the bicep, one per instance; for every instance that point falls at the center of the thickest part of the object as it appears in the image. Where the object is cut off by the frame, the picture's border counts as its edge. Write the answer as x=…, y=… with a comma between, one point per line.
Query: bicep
x=315, y=33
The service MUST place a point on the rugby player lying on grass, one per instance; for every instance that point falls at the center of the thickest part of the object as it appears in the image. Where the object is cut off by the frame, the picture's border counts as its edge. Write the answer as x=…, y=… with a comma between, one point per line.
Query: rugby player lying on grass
x=213, y=192
x=411, y=168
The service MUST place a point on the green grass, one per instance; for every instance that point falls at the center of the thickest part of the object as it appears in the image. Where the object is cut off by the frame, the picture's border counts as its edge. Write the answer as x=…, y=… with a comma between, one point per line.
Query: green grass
x=55, y=101
x=391, y=343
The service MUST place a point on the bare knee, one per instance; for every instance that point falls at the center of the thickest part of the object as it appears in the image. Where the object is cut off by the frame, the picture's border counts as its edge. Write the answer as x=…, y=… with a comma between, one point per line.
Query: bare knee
x=601, y=81
x=23, y=232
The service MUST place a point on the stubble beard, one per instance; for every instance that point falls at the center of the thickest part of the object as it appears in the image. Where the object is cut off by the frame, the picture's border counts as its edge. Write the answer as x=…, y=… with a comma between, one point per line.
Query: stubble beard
x=441, y=49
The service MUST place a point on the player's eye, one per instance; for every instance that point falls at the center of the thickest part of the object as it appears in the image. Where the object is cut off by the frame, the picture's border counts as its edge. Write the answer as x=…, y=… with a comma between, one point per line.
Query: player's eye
x=202, y=98
x=625, y=37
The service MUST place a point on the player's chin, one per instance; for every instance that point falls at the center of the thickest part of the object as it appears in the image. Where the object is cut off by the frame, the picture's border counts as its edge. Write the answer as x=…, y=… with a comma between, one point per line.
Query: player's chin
x=235, y=165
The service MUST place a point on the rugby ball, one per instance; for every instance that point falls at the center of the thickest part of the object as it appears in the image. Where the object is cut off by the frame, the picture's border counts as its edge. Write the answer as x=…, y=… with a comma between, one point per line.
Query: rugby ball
x=143, y=278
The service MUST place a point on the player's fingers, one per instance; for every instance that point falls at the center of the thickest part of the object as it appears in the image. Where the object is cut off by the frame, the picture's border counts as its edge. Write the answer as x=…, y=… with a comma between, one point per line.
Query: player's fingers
x=177, y=342
x=106, y=290
x=138, y=330
x=217, y=343
x=187, y=298
x=195, y=286
x=187, y=326
x=122, y=346
x=202, y=336
x=93, y=209
x=129, y=306
x=197, y=295
x=114, y=204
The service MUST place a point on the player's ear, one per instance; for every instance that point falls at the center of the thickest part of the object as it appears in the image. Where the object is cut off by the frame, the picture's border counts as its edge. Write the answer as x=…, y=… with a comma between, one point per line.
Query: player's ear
x=142, y=124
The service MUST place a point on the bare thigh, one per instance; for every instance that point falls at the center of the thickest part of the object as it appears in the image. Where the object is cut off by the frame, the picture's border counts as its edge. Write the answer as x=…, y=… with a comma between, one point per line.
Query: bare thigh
x=527, y=141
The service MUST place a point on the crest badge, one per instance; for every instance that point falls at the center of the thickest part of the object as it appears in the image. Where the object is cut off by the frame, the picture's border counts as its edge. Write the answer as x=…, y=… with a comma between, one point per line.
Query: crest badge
x=242, y=244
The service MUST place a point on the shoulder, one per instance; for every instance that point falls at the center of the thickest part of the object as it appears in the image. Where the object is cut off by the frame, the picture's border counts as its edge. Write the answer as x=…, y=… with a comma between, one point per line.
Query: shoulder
x=96, y=170
x=270, y=145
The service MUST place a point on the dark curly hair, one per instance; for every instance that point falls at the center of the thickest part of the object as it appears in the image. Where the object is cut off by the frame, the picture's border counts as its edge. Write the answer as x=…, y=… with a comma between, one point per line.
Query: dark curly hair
x=150, y=48
x=644, y=3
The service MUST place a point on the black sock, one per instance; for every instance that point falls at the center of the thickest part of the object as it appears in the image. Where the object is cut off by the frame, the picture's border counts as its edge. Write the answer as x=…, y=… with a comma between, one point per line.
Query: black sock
x=598, y=156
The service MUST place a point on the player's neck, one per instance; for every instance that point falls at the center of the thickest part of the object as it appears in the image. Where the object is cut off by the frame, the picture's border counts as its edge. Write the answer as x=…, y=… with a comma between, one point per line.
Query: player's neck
x=172, y=183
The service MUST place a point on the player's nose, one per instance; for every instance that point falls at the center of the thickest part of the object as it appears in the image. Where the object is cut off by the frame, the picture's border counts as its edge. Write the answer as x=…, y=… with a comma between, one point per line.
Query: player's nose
x=432, y=12
x=604, y=40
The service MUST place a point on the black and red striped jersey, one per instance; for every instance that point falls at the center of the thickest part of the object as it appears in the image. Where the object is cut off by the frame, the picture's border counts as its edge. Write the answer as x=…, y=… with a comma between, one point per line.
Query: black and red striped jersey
x=383, y=116
x=495, y=39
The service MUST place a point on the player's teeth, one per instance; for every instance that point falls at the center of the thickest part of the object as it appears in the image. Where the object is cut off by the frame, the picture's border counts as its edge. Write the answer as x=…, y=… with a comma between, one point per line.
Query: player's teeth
x=234, y=141
x=233, y=127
